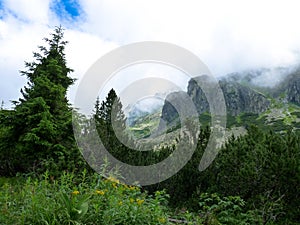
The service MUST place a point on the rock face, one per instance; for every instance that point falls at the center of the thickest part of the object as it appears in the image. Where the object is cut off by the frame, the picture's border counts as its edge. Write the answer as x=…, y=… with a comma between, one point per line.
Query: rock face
x=238, y=99
x=293, y=93
x=242, y=99
x=289, y=89
x=169, y=113
x=293, y=89
x=176, y=103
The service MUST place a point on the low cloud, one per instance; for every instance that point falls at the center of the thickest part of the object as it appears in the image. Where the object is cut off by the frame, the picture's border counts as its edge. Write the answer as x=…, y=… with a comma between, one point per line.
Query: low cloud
x=228, y=36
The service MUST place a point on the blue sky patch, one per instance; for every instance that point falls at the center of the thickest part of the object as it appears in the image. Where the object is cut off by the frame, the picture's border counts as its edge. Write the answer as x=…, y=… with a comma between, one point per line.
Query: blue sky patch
x=1, y=10
x=66, y=8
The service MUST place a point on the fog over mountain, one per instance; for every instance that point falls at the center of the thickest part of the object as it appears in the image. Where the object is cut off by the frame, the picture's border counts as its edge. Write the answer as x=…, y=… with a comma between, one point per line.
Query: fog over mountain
x=248, y=91
x=261, y=77
x=144, y=107
x=228, y=36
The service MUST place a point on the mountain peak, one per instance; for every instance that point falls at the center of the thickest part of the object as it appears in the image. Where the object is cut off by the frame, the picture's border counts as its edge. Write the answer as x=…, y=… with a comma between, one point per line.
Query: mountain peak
x=238, y=99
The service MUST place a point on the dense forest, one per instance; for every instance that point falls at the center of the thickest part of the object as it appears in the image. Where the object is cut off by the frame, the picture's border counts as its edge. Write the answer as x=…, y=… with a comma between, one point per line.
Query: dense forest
x=255, y=178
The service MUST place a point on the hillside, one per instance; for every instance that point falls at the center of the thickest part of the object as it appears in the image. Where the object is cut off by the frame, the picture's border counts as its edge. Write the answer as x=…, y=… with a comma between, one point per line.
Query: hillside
x=143, y=125
x=248, y=102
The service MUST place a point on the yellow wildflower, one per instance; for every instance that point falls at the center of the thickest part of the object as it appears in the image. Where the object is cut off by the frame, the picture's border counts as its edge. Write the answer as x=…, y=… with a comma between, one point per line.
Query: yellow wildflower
x=113, y=179
x=131, y=200
x=100, y=192
x=75, y=192
x=120, y=203
x=140, y=201
x=162, y=220
x=114, y=185
x=132, y=188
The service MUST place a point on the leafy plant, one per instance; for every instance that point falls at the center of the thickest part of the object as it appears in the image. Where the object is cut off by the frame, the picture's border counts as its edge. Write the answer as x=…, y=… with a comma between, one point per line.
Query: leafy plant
x=225, y=210
x=64, y=200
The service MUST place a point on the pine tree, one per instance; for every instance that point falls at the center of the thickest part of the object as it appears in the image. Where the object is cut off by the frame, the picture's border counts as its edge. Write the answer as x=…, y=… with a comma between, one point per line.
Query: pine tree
x=42, y=121
x=110, y=119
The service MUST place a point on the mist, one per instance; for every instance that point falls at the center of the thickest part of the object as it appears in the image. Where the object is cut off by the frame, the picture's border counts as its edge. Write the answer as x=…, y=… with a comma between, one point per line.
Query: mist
x=228, y=36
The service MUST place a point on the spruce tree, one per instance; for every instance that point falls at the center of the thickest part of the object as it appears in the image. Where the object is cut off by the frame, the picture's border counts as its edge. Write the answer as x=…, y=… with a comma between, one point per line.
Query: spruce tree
x=107, y=113
x=42, y=122
x=110, y=123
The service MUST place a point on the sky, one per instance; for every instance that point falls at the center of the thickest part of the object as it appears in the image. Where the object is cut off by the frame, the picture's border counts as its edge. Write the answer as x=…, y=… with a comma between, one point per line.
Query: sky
x=228, y=36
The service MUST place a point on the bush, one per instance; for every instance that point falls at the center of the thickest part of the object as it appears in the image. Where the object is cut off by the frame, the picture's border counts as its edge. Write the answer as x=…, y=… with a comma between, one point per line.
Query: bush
x=224, y=210
x=262, y=168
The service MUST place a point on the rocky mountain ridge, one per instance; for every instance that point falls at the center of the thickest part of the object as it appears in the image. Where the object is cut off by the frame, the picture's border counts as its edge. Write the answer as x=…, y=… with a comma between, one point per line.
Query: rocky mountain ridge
x=246, y=102
x=238, y=98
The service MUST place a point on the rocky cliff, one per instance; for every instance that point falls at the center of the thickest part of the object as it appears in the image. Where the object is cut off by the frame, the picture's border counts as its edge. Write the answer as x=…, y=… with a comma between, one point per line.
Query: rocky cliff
x=292, y=88
x=238, y=99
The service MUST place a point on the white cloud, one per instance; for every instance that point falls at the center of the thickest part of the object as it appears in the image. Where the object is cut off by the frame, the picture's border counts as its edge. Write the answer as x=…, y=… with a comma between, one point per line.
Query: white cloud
x=17, y=42
x=20, y=35
x=82, y=51
x=36, y=11
x=227, y=35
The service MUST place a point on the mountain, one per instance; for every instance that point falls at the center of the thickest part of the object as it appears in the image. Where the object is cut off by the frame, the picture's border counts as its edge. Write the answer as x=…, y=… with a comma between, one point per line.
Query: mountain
x=260, y=78
x=289, y=89
x=238, y=99
x=293, y=89
x=247, y=97
x=275, y=82
x=145, y=124
x=143, y=108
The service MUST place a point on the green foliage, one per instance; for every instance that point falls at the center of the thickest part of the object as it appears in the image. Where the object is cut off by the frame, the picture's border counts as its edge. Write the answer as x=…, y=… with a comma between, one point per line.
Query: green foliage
x=262, y=168
x=225, y=210
x=8, y=159
x=145, y=125
x=204, y=119
x=254, y=179
x=111, y=122
x=297, y=113
x=78, y=200
x=75, y=207
x=188, y=179
x=111, y=126
x=40, y=126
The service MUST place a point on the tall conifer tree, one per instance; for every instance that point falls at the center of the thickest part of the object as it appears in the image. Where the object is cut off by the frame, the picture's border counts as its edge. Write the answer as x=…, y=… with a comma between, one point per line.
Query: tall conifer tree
x=42, y=121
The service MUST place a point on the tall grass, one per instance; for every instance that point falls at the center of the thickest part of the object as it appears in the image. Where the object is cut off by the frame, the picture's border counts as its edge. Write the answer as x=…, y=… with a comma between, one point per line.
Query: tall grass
x=78, y=200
